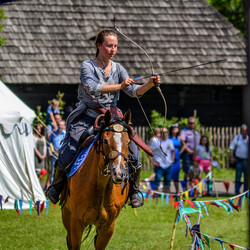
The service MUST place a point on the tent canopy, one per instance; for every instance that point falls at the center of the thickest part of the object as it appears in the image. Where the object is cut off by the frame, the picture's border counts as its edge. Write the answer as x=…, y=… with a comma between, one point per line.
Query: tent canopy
x=13, y=111
x=18, y=179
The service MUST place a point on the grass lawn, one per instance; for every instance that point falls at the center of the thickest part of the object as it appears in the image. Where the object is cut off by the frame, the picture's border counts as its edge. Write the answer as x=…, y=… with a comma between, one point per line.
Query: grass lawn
x=220, y=173
x=150, y=229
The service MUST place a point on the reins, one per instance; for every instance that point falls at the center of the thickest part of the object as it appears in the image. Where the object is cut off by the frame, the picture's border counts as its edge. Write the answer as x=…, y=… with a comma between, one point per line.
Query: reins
x=118, y=127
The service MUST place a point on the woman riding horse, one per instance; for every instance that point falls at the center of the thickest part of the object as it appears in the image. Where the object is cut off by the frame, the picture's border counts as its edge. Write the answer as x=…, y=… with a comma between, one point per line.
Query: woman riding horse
x=101, y=82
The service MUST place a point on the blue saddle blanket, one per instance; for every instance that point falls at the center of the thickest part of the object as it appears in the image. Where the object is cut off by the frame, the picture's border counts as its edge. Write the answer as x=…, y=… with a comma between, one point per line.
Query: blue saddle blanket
x=81, y=158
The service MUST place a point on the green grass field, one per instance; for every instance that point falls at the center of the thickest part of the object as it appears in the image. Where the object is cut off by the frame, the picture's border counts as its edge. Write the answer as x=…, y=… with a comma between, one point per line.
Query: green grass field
x=150, y=229
x=220, y=173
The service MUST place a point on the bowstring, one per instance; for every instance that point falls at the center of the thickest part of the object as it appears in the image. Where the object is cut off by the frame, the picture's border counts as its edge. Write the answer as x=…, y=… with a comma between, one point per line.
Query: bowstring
x=157, y=87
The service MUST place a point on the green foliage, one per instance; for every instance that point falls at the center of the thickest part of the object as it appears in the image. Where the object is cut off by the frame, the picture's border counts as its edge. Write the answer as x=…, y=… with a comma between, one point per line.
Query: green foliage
x=2, y=16
x=220, y=155
x=157, y=120
x=234, y=12
x=41, y=115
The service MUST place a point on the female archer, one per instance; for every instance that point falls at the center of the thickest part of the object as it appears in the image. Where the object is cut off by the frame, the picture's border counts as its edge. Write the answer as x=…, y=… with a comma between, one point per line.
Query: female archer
x=101, y=82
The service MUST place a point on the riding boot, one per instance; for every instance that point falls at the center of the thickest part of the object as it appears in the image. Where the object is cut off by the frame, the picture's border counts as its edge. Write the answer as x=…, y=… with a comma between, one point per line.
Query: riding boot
x=55, y=189
x=134, y=184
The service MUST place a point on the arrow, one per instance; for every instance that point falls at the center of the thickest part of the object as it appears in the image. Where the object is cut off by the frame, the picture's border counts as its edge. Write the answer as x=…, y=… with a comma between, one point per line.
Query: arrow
x=175, y=70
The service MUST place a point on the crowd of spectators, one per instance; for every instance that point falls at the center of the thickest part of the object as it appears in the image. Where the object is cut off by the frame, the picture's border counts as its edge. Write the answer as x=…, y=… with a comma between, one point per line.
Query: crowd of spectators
x=48, y=137
x=184, y=148
x=193, y=153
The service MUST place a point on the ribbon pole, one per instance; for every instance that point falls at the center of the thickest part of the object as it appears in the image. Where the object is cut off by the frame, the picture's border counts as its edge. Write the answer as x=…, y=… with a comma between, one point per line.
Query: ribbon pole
x=175, y=224
x=194, y=235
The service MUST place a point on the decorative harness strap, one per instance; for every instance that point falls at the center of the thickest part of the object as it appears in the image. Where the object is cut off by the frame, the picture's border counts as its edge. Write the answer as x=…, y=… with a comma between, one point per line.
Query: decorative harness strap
x=132, y=134
x=113, y=154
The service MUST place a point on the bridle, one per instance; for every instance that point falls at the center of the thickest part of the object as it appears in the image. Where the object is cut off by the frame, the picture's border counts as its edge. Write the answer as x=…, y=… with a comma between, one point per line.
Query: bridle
x=118, y=127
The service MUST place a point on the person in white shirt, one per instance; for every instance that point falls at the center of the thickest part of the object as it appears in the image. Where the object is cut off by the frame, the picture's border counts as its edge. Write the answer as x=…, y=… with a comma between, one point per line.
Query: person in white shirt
x=157, y=135
x=239, y=156
x=163, y=161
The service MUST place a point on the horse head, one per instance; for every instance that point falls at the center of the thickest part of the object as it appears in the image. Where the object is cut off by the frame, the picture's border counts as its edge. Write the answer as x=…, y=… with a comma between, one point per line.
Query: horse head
x=114, y=144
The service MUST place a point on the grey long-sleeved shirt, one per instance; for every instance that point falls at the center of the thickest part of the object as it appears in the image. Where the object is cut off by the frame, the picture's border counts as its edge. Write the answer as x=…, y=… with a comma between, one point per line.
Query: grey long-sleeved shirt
x=92, y=80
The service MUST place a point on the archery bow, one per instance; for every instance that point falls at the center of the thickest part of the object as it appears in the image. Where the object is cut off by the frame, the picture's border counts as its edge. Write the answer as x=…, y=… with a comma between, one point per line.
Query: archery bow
x=156, y=85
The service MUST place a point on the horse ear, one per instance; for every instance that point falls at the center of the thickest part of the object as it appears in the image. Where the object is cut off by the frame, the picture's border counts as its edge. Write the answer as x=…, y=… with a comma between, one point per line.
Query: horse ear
x=127, y=117
x=107, y=117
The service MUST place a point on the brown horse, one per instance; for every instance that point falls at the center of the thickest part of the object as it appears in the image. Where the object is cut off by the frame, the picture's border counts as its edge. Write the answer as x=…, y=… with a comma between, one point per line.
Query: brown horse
x=95, y=192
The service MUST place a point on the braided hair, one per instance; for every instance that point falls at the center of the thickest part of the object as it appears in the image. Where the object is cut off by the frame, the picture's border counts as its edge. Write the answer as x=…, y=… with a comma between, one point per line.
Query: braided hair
x=99, y=39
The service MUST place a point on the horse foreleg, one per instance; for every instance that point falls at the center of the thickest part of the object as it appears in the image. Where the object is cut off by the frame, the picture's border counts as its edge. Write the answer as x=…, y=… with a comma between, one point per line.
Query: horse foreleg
x=76, y=231
x=66, y=217
x=103, y=236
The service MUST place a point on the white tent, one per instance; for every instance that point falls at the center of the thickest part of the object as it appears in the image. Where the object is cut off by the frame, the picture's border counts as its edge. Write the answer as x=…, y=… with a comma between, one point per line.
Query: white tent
x=18, y=179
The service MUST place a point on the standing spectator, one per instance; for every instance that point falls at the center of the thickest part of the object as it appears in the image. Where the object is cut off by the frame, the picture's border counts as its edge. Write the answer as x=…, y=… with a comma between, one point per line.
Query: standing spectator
x=191, y=138
x=40, y=148
x=157, y=135
x=163, y=161
x=58, y=118
x=55, y=142
x=204, y=152
x=50, y=117
x=179, y=146
x=239, y=156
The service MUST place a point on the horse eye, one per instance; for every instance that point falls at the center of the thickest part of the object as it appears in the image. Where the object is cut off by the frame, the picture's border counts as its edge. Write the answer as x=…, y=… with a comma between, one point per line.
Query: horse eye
x=105, y=141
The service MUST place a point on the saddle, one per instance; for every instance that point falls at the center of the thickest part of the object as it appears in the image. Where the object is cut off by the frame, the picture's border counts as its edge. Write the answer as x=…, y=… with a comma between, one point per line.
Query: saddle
x=89, y=135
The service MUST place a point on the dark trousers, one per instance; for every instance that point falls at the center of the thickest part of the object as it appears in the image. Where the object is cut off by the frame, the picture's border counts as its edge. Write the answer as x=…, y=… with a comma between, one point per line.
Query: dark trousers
x=240, y=168
x=187, y=161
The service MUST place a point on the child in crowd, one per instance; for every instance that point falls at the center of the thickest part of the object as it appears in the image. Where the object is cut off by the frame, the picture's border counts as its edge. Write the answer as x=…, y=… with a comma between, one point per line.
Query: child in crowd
x=195, y=172
x=204, y=152
x=50, y=117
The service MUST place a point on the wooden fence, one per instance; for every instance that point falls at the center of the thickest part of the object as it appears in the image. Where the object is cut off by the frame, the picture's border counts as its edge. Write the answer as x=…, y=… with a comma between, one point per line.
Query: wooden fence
x=219, y=137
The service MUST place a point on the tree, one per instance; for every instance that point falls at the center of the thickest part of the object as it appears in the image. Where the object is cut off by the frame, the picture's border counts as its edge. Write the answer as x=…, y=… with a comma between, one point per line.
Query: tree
x=2, y=40
x=2, y=16
x=233, y=11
